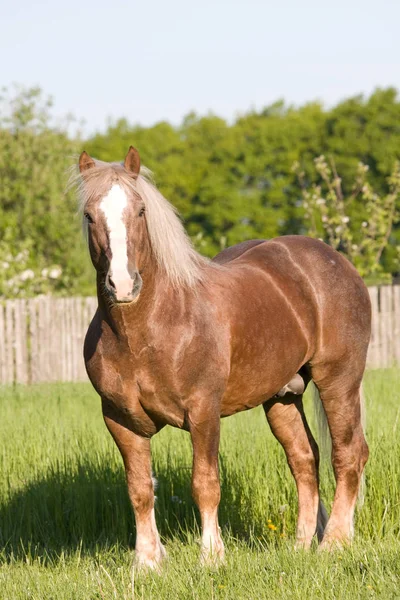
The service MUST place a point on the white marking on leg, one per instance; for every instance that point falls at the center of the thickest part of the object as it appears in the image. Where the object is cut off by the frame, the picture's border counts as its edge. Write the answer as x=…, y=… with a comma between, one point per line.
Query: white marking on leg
x=149, y=549
x=113, y=206
x=212, y=546
x=351, y=525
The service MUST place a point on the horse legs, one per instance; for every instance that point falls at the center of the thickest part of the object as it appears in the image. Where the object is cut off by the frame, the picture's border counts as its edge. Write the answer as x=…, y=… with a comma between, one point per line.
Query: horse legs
x=135, y=451
x=205, y=432
x=289, y=425
x=342, y=407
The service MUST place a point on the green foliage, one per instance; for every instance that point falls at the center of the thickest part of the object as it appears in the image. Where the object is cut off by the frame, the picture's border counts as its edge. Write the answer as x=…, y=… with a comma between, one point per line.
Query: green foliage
x=335, y=218
x=230, y=182
x=17, y=278
x=39, y=227
x=234, y=182
x=67, y=528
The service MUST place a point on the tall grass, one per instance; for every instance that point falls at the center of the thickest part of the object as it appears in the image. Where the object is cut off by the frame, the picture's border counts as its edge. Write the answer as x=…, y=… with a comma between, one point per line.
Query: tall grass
x=67, y=530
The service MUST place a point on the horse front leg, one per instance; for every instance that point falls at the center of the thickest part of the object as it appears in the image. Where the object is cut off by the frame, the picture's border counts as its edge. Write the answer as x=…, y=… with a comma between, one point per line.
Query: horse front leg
x=205, y=432
x=135, y=451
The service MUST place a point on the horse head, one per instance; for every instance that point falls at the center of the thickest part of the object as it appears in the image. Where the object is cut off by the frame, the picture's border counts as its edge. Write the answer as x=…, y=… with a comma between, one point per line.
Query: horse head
x=116, y=228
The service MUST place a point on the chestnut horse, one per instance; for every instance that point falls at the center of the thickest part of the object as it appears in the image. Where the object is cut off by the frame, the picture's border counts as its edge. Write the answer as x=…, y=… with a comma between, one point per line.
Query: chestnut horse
x=181, y=340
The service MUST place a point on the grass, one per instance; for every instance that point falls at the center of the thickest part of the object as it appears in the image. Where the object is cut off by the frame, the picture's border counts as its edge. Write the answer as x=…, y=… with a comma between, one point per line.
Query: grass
x=67, y=531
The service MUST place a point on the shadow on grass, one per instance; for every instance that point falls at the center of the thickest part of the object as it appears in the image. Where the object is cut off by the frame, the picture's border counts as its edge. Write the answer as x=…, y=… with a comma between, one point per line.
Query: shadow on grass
x=89, y=511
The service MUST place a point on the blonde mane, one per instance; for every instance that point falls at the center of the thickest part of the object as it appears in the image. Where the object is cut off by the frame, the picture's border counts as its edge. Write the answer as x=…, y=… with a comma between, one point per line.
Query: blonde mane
x=172, y=247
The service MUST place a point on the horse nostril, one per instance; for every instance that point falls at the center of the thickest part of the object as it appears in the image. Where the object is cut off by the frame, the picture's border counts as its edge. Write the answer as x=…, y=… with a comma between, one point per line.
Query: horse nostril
x=111, y=283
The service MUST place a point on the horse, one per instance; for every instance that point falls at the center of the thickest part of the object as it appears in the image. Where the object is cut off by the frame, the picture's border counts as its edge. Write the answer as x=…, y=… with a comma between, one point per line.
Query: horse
x=181, y=340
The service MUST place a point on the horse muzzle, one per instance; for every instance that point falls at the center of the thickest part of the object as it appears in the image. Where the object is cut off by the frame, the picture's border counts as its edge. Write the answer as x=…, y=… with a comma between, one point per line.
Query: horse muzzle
x=124, y=291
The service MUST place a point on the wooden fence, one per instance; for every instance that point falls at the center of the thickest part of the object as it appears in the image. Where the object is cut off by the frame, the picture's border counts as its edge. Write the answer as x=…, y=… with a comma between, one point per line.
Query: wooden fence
x=41, y=339
x=384, y=348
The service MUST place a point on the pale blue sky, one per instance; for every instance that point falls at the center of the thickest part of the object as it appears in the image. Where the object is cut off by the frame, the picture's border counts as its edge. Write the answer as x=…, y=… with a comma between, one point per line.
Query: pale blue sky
x=154, y=60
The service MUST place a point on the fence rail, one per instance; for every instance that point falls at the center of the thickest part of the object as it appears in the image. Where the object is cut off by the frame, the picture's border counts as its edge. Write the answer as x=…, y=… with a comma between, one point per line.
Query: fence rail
x=41, y=339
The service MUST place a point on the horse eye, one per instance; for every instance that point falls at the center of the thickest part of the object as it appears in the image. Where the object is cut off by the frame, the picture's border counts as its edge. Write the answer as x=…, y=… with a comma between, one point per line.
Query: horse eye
x=141, y=212
x=88, y=218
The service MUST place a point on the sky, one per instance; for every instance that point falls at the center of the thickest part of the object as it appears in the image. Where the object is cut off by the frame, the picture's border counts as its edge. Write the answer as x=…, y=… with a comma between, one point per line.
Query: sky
x=159, y=60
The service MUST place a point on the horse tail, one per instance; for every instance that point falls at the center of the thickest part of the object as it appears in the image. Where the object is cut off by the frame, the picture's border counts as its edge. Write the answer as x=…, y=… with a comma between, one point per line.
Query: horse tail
x=324, y=436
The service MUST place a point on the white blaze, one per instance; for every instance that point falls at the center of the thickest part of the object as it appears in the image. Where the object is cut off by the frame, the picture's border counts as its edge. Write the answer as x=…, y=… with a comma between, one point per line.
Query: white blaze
x=113, y=206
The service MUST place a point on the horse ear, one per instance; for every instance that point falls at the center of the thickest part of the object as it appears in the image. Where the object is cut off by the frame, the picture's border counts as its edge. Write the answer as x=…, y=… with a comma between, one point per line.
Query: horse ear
x=132, y=162
x=85, y=162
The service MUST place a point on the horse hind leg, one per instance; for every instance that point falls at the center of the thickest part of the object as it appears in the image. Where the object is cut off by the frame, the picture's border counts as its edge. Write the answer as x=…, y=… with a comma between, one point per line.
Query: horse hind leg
x=289, y=425
x=339, y=389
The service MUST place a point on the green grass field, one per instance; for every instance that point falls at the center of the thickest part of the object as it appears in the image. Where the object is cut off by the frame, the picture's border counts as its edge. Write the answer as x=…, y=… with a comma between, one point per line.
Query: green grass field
x=67, y=531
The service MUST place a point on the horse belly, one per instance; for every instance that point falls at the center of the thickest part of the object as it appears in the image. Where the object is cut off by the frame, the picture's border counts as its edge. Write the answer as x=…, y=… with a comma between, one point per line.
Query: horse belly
x=261, y=366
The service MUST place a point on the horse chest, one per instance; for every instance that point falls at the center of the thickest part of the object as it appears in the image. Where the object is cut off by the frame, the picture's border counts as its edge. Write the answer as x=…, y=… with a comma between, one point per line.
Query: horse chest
x=139, y=384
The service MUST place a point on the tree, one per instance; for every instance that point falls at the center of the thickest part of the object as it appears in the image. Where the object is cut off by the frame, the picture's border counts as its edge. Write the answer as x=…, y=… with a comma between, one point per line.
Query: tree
x=40, y=230
x=329, y=214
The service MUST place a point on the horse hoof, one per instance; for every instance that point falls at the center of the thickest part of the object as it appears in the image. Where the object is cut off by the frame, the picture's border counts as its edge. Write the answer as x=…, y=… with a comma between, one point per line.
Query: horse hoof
x=213, y=560
x=143, y=562
x=301, y=545
x=333, y=544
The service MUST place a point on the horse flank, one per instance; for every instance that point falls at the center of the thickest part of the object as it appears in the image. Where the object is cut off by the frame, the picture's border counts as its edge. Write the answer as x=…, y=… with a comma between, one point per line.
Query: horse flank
x=172, y=247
